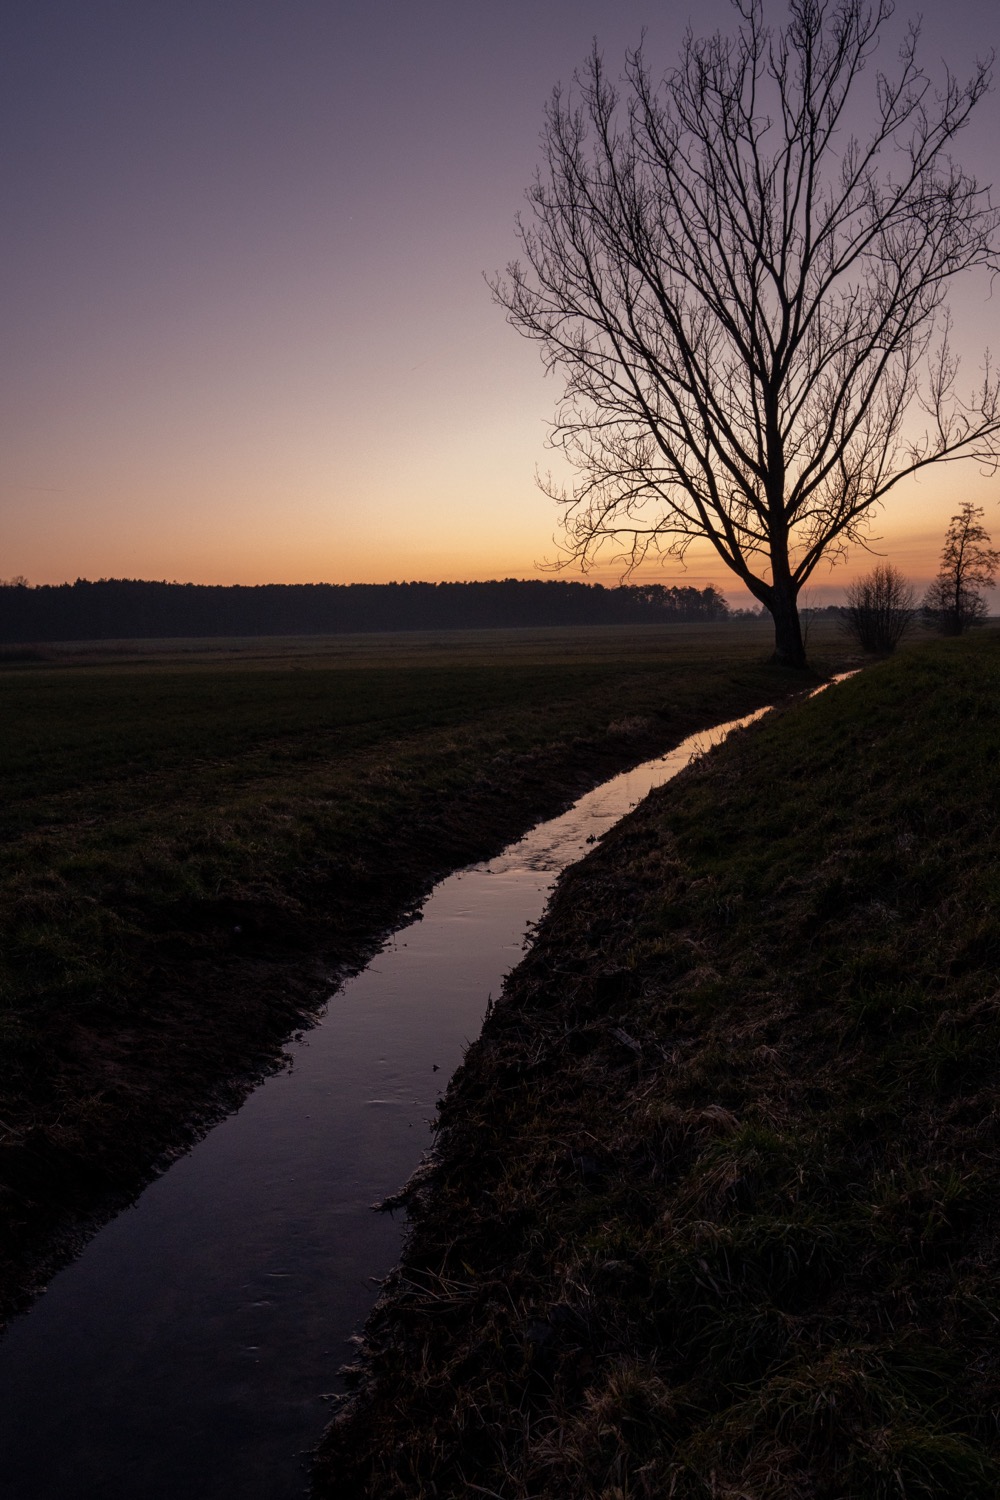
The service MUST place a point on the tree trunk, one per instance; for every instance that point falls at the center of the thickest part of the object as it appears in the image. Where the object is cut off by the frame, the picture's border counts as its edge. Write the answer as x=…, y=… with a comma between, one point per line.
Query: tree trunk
x=789, y=650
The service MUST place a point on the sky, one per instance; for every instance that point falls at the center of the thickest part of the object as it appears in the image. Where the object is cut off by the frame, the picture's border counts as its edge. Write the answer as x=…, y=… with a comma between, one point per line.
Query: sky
x=246, y=335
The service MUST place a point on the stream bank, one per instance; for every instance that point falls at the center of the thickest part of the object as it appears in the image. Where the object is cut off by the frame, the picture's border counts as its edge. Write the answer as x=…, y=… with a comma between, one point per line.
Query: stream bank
x=111, y=1098
x=191, y=1348
x=714, y=1204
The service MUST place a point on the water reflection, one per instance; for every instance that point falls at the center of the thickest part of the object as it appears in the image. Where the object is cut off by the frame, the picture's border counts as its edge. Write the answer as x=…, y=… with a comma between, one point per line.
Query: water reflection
x=186, y=1352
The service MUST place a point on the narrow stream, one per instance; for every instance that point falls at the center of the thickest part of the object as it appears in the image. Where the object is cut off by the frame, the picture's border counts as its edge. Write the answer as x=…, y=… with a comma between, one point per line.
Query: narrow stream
x=189, y=1352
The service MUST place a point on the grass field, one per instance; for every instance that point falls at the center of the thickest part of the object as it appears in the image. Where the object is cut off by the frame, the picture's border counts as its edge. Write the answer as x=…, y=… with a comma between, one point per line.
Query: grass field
x=196, y=835
x=716, y=1209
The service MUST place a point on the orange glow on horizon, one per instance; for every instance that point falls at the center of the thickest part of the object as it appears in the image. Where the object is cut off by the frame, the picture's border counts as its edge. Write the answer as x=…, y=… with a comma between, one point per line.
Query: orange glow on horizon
x=438, y=537
x=237, y=351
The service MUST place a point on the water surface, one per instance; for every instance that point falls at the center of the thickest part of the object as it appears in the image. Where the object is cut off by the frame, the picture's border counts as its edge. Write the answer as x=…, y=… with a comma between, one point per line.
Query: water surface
x=189, y=1352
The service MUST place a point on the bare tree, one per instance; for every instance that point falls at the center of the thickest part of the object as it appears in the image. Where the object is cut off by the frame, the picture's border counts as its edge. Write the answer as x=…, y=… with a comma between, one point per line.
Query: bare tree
x=955, y=599
x=880, y=609
x=744, y=297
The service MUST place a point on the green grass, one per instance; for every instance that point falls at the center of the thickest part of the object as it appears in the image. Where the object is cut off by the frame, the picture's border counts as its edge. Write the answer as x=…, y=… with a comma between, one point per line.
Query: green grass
x=196, y=835
x=133, y=787
x=102, y=715
x=717, y=1188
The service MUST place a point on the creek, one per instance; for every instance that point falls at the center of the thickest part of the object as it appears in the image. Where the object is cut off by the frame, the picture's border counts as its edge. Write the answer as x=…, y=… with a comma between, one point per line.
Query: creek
x=191, y=1349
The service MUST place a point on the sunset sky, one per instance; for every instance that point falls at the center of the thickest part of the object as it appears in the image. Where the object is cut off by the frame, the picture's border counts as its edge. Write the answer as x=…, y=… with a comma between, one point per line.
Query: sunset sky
x=246, y=335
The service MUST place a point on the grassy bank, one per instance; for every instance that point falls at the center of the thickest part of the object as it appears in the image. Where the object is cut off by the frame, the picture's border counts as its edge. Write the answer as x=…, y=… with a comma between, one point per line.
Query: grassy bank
x=198, y=837
x=716, y=1209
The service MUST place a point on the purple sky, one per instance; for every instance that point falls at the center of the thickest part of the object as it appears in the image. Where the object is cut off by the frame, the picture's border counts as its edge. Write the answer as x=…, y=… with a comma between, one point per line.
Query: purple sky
x=245, y=331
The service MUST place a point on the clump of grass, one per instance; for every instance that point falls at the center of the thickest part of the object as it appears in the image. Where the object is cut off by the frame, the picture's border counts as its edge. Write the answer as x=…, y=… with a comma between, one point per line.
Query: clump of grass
x=719, y=1179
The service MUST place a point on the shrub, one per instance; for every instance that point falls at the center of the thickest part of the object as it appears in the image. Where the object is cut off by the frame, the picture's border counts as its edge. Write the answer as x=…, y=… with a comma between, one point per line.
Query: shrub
x=880, y=609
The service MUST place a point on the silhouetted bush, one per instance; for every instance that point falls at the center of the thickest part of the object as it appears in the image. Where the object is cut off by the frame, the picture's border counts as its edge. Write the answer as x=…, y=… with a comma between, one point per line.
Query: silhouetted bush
x=880, y=609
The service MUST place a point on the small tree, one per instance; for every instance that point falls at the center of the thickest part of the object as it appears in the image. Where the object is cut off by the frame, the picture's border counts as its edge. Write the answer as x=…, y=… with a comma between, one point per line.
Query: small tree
x=748, y=301
x=880, y=609
x=955, y=599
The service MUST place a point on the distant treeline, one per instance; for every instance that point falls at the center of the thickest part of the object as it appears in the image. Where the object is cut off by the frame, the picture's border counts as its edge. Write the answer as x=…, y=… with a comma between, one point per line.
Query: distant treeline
x=125, y=608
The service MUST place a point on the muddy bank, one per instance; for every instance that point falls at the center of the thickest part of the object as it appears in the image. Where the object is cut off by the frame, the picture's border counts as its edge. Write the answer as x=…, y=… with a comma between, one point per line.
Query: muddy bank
x=110, y=1099
x=714, y=1206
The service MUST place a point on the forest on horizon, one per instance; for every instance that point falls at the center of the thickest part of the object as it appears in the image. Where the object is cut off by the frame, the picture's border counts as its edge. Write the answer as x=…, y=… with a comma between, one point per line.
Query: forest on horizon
x=124, y=608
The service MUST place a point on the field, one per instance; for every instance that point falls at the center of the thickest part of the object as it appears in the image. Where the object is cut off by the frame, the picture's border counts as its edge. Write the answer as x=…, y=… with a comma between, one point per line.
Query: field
x=200, y=836
x=715, y=1208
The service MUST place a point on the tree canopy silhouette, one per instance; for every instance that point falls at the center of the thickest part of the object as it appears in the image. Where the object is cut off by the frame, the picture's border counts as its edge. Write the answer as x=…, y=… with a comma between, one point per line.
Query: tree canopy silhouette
x=123, y=608
x=747, y=301
x=955, y=600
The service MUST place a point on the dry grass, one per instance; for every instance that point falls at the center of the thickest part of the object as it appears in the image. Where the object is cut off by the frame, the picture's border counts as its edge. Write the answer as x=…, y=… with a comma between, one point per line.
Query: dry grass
x=715, y=1212
x=196, y=839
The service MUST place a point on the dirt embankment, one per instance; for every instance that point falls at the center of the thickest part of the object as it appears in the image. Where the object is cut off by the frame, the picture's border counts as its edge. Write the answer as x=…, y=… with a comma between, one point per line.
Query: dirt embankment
x=714, y=1210
x=109, y=1100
